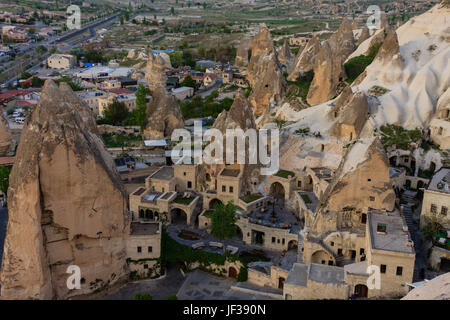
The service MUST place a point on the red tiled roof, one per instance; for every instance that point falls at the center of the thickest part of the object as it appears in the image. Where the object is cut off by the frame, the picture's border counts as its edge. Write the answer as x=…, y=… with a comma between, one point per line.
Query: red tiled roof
x=6, y=161
x=25, y=103
x=121, y=91
x=12, y=93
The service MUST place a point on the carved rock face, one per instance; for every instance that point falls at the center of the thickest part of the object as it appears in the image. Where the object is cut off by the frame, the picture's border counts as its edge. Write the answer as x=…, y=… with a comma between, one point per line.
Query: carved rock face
x=329, y=65
x=5, y=135
x=242, y=54
x=155, y=72
x=304, y=61
x=163, y=115
x=285, y=55
x=264, y=73
x=67, y=205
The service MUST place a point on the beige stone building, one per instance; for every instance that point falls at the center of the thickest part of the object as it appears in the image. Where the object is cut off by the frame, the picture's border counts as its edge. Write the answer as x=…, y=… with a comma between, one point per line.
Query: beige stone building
x=61, y=61
x=436, y=199
x=143, y=247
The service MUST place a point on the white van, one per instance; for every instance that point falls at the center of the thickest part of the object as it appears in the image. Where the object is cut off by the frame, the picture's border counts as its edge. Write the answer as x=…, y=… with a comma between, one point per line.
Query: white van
x=20, y=120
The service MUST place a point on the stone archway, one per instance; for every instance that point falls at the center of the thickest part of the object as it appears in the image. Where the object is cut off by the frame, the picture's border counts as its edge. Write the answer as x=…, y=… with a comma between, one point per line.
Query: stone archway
x=213, y=203
x=178, y=216
x=232, y=272
x=321, y=257
x=393, y=161
x=361, y=290
x=281, y=281
x=277, y=192
x=239, y=234
x=293, y=244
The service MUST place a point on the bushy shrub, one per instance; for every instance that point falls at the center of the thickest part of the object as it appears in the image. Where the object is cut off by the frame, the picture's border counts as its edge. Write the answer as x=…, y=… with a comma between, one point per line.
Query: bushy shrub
x=242, y=275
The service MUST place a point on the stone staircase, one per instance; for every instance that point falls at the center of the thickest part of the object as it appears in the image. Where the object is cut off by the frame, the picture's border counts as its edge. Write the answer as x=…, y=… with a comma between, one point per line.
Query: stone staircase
x=299, y=249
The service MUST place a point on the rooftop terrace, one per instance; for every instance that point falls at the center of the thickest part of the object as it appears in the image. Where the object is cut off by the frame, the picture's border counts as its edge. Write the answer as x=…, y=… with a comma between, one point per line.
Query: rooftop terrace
x=387, y=232
x=230, y=172
x=144, y=229
x=165, y=173
x=440, y=181
x=310, y=199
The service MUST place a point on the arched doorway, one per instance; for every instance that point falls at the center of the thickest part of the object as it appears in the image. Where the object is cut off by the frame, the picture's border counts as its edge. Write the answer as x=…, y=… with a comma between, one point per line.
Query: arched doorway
x=178, y=216
x=420, y=184
x=277, y=191
x=432, y=166
x=213, y=203
x=232, y=273
x=141, y=214
x=292, y=245
x=361, y=291
x=322, y=257
x=393, y=161
x=239, y=235
x=281, y=281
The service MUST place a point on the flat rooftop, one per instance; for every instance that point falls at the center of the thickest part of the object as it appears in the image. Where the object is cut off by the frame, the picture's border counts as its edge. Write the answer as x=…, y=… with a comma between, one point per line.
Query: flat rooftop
x=165, y=173
x=230, y=172
x=326, y=274
x=394, y=239
x=323, y=173
x=298, y=275
x=143, y=229
x=311, y=204
x=440, y=181
x=151, y=196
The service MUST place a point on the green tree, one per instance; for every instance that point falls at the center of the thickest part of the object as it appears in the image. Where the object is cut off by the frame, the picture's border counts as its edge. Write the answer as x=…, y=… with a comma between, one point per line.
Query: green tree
x=116, y=113
x=223, y=220
x=139, y=114
x=25, y=75
x=172, y=11
x=188, y=82
x=172, y=297
x=36, y=82
x=4, y=179
x=142, y=296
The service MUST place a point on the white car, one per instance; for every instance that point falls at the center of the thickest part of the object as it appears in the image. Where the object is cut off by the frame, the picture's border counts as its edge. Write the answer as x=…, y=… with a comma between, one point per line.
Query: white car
x=20, y=120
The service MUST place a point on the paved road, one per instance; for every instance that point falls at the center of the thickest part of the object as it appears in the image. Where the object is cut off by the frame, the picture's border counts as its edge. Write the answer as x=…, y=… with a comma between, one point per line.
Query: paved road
x=200, y=285
x=159, y=289
x=64, y=38
x=3, y=223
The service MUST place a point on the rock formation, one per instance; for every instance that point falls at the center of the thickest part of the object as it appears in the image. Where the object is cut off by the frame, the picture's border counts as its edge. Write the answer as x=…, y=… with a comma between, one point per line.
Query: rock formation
x=365, y=34
x=67, y=206
x=351, y=112
x=329, y=65
x=240, y=116
x=435, y=289
x=155, y=72
x=327, y=76
x=304, y=61
x=343, y=43
x=264, y=74
x=163, y=115
x=285, y=55
x=242, y=54
x=5, y=135
x=390, y=51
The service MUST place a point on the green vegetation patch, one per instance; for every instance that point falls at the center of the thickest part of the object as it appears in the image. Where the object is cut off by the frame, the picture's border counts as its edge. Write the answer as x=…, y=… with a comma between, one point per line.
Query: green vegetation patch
x=284, y=174
x=306, y=198
x=355, y=66
x=392, y=134
x=121, y=140
x=302, y=85
x=182, y=200
x=251, y=197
